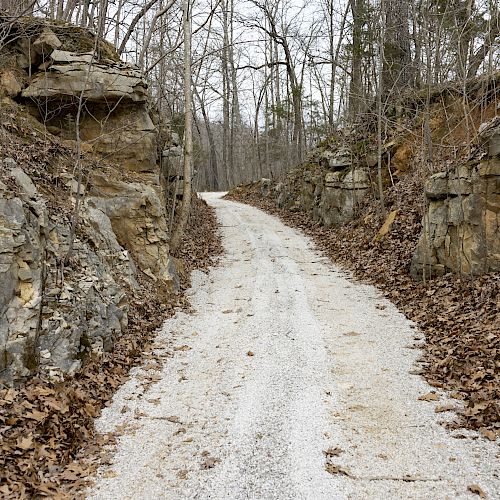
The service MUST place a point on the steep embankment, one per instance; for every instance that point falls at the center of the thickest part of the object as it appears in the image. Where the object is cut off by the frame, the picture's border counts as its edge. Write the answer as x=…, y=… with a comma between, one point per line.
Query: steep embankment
x=334, y=199
x=85, y=266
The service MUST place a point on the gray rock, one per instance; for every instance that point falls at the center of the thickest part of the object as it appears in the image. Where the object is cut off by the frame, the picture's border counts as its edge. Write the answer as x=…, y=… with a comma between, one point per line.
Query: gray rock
x=494, y=143
x=46, y=42
x=461, y=227
x=70, y=74
x=24, y=182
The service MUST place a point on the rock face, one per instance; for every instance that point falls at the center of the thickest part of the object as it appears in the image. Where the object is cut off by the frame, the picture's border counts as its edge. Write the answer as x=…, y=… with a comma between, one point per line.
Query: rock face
x=342, y=194
x=462, y=225
x=55, y=311
x=330, y=197
x=50, y=314
x=69, y=74
x=115, y=120
x=138, y=221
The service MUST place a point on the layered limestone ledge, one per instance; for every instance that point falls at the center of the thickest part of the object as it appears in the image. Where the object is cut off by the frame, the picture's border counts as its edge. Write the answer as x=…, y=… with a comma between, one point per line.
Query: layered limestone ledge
x=462, y=225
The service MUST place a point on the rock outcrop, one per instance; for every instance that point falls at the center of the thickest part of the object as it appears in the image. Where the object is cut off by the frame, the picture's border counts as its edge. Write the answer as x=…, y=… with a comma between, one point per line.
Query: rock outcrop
x=115, y=119
x=462, y=225
x=55, y=309
x=331, y=197
x=51, y=314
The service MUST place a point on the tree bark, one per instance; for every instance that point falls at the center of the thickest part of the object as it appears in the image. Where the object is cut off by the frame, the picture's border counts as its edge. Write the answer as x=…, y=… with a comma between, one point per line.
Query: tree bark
x=396, y=72
x=356, y=98
x=188, y=133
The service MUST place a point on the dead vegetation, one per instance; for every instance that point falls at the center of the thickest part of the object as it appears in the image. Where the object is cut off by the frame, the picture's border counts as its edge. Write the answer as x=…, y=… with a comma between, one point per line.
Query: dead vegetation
x=459, y=315
x=44, y=425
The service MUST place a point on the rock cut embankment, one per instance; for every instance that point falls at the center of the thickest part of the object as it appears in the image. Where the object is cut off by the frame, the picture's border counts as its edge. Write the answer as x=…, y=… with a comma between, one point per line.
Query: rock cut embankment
x=57, y=306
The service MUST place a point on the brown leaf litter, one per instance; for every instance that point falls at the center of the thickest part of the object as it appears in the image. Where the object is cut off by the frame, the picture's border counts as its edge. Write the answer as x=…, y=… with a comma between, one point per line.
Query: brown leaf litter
x=44, y=425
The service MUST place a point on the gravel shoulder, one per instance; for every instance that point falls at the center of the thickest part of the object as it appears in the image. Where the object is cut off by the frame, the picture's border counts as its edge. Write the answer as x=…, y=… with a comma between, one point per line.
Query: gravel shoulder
x=288, y=380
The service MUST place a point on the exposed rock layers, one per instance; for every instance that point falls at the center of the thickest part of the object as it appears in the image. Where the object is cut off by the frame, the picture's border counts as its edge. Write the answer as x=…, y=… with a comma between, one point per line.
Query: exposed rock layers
x=55, y=311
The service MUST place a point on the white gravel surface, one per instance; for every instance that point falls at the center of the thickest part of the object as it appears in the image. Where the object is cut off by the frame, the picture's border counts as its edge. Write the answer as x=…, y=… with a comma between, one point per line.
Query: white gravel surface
x=283, y=358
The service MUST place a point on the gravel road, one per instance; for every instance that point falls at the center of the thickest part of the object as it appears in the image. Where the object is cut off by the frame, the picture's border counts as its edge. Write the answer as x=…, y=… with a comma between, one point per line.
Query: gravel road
x=288, y=381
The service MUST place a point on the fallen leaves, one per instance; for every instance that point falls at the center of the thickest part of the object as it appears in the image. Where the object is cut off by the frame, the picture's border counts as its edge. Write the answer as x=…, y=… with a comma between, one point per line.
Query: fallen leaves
x=333, y=451
x=352, y=334
x=474, y=488
x=330, y=467
x=443, y=408
x=174, y=419
x=430, y=396
x=44, y=425
x=209, y=462
x=182, y=348
x=337, y=469
x=489, y=434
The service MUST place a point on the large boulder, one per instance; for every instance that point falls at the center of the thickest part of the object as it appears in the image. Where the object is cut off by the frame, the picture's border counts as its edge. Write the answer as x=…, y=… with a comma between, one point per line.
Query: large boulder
x=9, y=83
x=342, y=194
x=126, y=134
x=114, y=121
x=138, y=220
x=70, y=74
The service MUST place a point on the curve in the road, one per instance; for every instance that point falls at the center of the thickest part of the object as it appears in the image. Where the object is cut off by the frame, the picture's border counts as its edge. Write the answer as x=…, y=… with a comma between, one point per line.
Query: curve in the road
x=288, y=381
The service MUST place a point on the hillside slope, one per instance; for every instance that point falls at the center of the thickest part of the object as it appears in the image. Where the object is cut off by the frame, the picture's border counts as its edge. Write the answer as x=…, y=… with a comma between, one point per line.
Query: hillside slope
x=85, y=266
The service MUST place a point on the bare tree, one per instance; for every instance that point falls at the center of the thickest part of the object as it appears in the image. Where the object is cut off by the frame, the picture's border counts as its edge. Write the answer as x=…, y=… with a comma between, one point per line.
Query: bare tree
x=188, y=133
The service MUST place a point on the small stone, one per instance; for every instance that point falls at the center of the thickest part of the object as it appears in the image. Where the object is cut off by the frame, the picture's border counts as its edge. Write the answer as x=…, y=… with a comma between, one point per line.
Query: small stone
x=26, y=291
x=9, y=85
x=24, y=274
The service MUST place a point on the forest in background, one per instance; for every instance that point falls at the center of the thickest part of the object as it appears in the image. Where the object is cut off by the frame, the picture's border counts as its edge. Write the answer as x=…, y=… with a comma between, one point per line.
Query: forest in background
x=272, y=78
x=265, y=82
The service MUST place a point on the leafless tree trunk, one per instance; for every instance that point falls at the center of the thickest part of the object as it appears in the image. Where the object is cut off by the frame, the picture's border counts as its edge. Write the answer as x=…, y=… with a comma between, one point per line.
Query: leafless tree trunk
x=356, y=97
x=396, y=72
x=188, y=133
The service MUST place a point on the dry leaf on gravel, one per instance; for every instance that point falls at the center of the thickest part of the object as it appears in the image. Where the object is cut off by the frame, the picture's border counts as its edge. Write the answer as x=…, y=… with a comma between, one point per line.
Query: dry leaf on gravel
x=337, y=469
x=47, y=423
x=491, y=435
x=459, y=315
x=474, y=488
x=333, y=452
x=174, y=419
x=430, y=396
x=182, y=348
x=443, y=408
x=209, y=463
x=352, y=334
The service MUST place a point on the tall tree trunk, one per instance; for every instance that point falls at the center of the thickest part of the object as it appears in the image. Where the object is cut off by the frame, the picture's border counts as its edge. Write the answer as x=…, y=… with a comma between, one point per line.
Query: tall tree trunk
x=188, y=133
x=356, y=96
x=226, y=91
x=380, y=112
x=334, y=55
x=214, y=181
x=396, y=72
